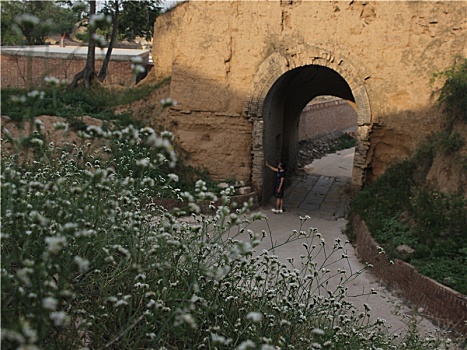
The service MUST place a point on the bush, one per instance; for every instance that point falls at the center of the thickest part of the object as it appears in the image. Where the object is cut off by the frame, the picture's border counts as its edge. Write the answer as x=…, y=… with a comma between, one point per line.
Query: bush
x=453, y=96
x=343, y=142
x=399, y=209
x=98, y=102
x=88, y=261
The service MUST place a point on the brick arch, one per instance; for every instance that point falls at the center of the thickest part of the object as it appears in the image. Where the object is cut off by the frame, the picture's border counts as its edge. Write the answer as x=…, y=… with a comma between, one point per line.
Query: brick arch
x=277, y=64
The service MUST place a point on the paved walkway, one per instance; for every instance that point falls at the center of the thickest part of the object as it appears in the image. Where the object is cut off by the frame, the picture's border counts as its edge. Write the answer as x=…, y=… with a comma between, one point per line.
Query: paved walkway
x=322, y=195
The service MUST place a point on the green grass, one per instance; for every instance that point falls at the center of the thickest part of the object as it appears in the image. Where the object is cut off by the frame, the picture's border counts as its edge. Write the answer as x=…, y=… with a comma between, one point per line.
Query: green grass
x=343, y=142
x=98, y=102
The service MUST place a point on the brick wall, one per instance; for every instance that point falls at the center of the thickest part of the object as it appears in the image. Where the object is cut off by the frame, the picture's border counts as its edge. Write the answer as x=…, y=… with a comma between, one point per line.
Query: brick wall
x=19, y=71
x=326, y=118
x=443, y=304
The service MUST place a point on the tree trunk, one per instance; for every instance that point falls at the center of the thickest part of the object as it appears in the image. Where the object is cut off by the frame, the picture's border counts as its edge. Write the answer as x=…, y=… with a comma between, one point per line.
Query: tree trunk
x=113, y=38
x=88, y=73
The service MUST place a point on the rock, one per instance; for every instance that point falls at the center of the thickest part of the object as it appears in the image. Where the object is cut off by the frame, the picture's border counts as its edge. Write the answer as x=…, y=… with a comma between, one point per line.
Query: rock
x=404, y=249
x=244, y=190
x=239, y=184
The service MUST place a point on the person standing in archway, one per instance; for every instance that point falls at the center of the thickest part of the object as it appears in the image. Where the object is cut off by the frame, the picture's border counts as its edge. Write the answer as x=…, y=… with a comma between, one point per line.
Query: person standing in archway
x=279, y=185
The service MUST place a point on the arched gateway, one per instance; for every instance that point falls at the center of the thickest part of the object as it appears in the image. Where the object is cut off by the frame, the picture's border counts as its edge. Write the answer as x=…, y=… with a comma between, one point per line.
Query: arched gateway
x=242, y=71
x=282, y=88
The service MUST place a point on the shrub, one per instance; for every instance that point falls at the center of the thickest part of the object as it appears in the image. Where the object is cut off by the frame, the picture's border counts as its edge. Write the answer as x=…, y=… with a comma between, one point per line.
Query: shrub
x=98, y=102
x=453, y=97
x=88, y=261
x=399, y=209
x=343, y=142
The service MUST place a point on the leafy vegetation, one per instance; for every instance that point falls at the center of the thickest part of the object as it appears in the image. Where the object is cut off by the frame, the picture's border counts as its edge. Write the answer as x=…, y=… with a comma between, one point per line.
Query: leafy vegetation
x=453, y=96
x=31, y=22
x=89, y=260
x=136, y=19
x=344, y=141
x=99, y=102
x=401, y=208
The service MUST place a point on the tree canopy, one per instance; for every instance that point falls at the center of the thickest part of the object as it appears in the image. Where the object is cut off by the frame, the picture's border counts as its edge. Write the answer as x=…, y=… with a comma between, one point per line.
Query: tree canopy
x=31, y=22
x=136, y=18
x=28, y=22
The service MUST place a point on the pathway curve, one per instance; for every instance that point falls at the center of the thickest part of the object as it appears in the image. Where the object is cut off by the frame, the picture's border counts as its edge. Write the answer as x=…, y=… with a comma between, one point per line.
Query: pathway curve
x=322, y=193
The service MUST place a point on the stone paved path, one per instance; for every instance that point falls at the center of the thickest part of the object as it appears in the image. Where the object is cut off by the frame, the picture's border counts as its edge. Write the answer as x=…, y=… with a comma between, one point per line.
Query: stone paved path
x=322, y=193
x=326, y=196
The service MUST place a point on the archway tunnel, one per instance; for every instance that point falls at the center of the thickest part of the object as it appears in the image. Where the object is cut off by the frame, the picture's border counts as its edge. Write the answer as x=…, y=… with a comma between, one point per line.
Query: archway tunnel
x=282, y=109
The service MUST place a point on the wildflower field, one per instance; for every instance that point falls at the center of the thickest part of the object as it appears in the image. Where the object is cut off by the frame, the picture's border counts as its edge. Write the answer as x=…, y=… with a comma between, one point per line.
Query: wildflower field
x=90, y=262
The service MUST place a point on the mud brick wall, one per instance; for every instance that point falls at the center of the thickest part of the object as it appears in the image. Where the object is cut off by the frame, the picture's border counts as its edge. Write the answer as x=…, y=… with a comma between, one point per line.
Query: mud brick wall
x=444, y=305
x=28, y=72
x=326, y=118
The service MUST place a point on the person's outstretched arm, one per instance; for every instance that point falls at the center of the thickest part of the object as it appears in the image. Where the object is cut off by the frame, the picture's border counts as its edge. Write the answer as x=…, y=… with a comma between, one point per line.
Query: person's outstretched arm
x=271, y=167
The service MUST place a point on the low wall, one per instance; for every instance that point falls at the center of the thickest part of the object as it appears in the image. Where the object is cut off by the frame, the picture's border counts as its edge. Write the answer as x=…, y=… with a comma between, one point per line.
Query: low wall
x=29, y=72
x=21, y=68
x=326, y=118
x=444, y=305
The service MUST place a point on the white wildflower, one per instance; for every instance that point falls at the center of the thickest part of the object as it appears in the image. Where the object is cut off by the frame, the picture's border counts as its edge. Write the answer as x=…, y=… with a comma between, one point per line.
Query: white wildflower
x=55, y=244
x=36, y=141
x=185, y=318
x=173, y=177
x=95, y=130
x=85, y=233
x=52, y=81
x=137, y=59
x=167, y=135
x=38, y=218
x=194, y=207
x=18, y=99
x=59, y=318
x=121, y=303
x=247, y=344
x=36, y=94
x=28, y=332
x=49, y=303
x=23, y=275
x=317, y=331
x=27, y=19
x=255, y=317
x=168, y=102
x=83, y=264
x=144, y=163
x=96, y=18
x=218, y=339
x=137, y=69
x=60, y=126
x=100, y=40
x=268, y=347
x=141, y=276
